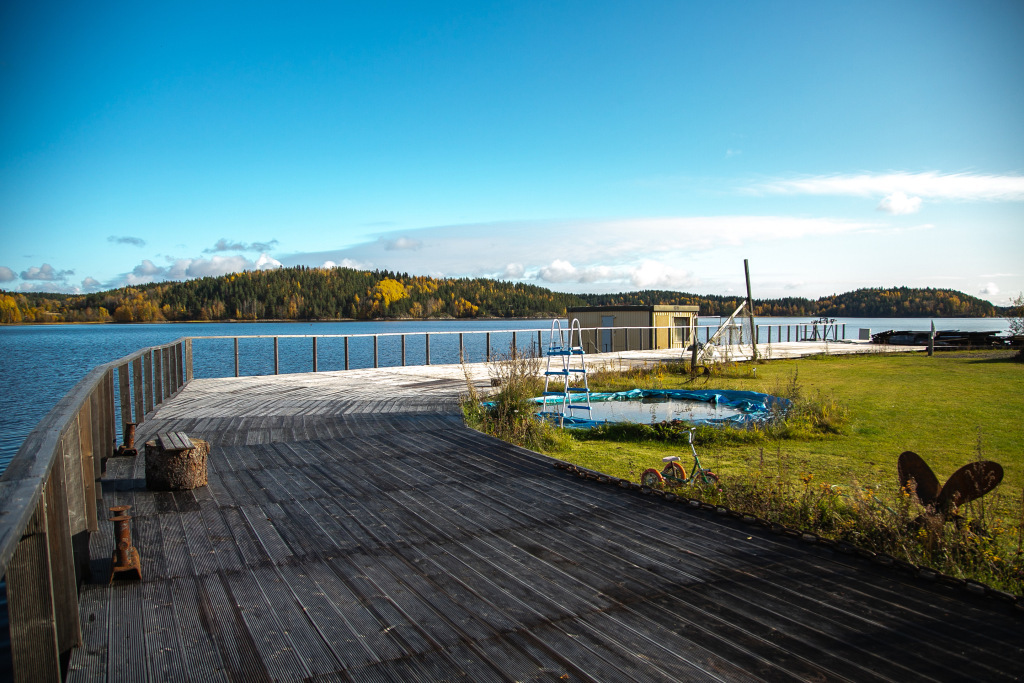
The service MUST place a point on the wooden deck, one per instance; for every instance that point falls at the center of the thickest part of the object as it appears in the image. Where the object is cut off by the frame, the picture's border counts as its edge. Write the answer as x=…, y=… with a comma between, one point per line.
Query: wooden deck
x=353, y=529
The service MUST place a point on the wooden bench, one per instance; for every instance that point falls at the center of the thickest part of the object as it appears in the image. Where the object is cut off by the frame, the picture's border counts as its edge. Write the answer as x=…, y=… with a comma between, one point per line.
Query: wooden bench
x=174, y=441
x=175, y=462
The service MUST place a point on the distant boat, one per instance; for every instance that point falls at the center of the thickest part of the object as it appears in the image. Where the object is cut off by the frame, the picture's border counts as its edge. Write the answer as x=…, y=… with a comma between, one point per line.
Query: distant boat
x=953, y=338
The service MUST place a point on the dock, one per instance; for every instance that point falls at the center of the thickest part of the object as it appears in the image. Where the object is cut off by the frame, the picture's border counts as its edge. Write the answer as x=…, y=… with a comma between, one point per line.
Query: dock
x=354, y=529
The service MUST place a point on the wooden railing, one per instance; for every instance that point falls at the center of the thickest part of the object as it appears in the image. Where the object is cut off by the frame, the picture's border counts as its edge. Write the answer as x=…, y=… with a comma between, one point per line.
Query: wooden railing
x=51, y=499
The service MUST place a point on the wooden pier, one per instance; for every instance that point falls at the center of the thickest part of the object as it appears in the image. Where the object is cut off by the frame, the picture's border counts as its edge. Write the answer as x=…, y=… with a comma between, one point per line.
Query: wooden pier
x=353, y=529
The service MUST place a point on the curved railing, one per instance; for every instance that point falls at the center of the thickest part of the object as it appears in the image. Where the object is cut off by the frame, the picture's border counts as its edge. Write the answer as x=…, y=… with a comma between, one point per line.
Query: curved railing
x=51, y=499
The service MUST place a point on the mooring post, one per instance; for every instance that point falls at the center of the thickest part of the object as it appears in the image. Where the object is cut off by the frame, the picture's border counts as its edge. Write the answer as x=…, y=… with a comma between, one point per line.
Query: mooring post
x=750, y=312
x=346, y=353
x=403, y=350
x=374, y=350
x=277, y=364
x=427, y=348
x=314, y=354
x=236, y=358
x=514, y=348
x=462, y=348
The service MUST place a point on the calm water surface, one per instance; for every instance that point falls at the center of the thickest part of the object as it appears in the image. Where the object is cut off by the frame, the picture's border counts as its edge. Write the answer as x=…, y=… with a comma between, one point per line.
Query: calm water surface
x=39, y=364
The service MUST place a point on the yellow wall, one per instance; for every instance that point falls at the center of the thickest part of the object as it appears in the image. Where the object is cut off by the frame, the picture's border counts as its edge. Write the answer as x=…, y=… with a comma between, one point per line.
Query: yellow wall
x=595, y=341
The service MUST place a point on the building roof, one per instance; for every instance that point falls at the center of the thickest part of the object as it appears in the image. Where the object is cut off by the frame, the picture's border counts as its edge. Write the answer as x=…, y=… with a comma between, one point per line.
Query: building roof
x=651, y=309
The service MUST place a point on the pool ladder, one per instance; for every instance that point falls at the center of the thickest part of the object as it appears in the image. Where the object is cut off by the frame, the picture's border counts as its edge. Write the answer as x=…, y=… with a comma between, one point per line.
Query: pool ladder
x=574, y=378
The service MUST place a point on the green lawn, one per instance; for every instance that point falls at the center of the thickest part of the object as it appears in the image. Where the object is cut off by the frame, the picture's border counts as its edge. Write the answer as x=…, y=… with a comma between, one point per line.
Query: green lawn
x=951, y=409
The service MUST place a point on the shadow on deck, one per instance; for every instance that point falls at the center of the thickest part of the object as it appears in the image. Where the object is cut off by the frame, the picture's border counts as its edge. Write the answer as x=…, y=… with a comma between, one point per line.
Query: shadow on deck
x=347, y=537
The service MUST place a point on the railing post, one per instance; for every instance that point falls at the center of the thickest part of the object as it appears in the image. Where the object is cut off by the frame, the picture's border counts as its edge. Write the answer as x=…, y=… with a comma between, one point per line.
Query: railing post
x=179, y=362
x=427, y=347
x=147, y=380
x=487, y=357
x=138, y=394
x=314, y=354
x=165, y=359
x=124, y=396
x=346, y=353
x=109, y=421
x=540, y=343
x=374, y=350
x=35, y=653
x=462, y=349
x=85, y=456
x=236, y=356
x=515, y=348
x=277, y=364
x=188, y=360
x=844, y=330
x=403, y=350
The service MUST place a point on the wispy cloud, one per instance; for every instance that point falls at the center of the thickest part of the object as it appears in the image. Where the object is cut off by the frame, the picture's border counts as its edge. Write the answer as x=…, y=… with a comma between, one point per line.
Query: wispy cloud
x=133, y=241
x=604, y=254
x=401, y=243
x=187, y=268
x=930, y=185
x=224, y=245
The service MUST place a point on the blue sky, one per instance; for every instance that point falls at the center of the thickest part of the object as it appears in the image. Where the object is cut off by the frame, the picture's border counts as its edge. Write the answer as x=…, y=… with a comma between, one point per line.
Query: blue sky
x=582, y=146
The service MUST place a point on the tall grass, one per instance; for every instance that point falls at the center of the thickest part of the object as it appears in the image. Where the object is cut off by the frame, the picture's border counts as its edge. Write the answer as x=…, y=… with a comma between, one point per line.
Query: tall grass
x=978, y=543
x=508, y=413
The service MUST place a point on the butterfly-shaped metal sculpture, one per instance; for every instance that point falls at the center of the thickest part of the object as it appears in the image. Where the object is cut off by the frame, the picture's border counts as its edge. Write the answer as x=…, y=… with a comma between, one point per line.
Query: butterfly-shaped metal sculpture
x=971, y=481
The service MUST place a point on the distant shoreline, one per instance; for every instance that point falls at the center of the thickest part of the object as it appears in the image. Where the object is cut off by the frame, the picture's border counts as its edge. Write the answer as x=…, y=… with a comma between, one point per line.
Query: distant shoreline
x=453, y=320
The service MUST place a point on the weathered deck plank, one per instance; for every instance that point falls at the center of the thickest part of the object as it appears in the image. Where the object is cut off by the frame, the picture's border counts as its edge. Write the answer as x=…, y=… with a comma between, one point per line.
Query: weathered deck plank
x=352, y=529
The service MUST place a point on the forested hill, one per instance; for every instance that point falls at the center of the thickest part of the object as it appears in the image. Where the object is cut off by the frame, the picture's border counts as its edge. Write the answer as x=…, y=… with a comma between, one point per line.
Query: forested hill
x=303, y=293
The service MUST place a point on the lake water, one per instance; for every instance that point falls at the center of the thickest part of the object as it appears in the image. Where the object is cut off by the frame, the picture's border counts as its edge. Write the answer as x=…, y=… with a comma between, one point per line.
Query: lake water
x=39, y=364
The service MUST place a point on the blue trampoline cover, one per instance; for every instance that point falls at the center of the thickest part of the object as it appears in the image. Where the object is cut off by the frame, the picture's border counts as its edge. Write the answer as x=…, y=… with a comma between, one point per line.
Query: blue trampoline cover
x=755, y=407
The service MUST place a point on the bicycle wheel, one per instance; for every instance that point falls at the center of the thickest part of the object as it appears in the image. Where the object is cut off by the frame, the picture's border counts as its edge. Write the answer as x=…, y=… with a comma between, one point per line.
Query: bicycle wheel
x=651, y=478
x=710, y=477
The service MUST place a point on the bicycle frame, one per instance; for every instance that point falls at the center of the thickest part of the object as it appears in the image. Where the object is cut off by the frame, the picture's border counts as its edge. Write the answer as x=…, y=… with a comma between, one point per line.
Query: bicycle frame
x=674, y=475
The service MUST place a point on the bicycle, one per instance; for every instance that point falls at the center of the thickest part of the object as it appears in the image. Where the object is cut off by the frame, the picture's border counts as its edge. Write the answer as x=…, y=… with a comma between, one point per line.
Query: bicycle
x=674, y=475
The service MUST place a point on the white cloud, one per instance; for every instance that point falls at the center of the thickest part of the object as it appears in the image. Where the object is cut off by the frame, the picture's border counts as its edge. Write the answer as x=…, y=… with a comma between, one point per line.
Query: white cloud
x=899, y=204
x=930, y=185
x=656, y=275
x=46, y=273
x=91, y=284
x=513, y=270
x=557, y=271
x=6, y=274
x=793, y=284
x=990, y=289
x=265, y=262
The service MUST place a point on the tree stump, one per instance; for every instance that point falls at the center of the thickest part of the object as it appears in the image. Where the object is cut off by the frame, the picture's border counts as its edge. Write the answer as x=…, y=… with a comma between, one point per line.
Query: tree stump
x=174, y=462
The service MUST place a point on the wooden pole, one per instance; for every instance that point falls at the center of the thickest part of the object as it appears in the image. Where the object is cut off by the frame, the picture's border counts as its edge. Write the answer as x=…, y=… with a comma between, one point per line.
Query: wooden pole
x=236, y=356
x=314, y=354
x=750, y=311
x=277, y=364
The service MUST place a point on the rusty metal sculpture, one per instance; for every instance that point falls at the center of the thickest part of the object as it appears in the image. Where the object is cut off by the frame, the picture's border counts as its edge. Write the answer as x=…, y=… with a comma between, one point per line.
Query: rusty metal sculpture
x=968, y=483
x=125, y=557
x=128, y=447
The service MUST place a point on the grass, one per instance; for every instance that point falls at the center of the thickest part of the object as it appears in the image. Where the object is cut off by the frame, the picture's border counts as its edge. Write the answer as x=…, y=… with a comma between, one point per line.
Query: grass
x=831, y=466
